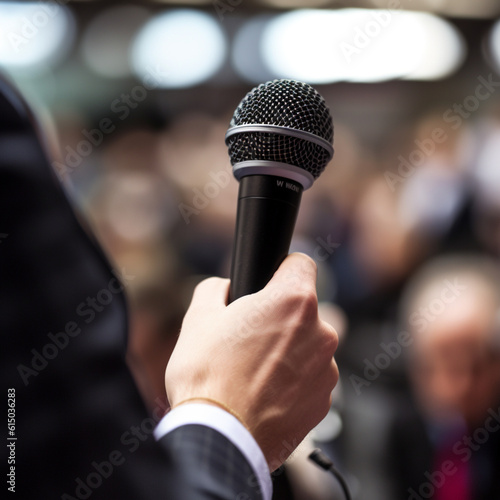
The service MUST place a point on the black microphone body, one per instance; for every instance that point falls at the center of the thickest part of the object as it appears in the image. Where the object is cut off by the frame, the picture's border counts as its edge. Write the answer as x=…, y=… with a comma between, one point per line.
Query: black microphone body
x=266, y=215
x=279, y=142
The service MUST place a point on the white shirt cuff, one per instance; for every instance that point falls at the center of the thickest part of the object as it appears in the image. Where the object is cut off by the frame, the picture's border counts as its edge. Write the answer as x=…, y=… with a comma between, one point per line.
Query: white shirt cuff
x=229, y=426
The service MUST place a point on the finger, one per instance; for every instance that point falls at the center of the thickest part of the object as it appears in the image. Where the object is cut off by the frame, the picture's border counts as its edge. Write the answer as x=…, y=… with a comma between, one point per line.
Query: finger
x=332, y=337
x=211, y=294
x=297, y=270
x=334, y=372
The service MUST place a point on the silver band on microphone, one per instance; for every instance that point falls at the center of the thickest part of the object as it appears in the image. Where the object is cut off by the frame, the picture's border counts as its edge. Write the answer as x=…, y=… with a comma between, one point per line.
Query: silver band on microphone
x=266, y=167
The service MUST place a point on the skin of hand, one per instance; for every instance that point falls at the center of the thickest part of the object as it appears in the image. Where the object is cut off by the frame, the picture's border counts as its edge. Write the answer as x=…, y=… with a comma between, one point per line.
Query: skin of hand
x=267, y=356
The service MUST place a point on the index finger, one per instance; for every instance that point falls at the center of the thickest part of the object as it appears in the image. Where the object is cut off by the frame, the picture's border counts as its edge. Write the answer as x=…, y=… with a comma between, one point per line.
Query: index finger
x=297, y=270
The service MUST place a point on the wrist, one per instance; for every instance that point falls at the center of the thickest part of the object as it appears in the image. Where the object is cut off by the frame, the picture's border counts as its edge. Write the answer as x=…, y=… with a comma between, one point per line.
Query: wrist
x=213, y=402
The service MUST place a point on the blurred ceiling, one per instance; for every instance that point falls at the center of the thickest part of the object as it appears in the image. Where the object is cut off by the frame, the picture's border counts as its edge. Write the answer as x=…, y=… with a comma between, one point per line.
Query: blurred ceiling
x=453, y=8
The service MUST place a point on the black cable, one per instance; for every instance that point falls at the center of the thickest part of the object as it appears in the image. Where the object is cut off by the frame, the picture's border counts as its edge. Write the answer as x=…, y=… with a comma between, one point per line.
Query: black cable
x=320, y=459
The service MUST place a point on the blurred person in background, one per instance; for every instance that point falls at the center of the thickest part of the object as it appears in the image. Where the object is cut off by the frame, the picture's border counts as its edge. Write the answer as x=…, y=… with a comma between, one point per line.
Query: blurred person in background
x=444, y=443
x=433, y=184
x=197, y=164
x=485, y=175
x=132, y=209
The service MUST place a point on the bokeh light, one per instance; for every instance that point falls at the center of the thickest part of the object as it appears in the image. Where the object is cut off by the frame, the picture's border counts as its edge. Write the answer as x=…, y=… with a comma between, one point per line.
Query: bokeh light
x=361, y=46
x=34, y=37
x=183, y=48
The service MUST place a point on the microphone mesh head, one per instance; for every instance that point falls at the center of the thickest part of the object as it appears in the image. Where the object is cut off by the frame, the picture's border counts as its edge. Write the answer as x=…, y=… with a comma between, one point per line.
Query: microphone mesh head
x=285, y=103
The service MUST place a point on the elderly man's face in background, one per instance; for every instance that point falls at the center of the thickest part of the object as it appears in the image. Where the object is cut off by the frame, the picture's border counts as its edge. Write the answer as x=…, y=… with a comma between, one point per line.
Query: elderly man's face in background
x=456, y=364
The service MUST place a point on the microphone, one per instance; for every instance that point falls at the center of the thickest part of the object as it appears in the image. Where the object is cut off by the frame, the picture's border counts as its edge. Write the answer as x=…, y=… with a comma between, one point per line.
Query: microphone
x=279, y=141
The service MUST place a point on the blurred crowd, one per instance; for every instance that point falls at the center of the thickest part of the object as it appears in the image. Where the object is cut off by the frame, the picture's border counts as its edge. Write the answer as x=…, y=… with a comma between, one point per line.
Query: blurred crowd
x=407, y=243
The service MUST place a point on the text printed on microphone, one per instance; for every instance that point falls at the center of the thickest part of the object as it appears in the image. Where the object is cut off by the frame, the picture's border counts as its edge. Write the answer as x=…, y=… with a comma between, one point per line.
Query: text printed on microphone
x=288, y=185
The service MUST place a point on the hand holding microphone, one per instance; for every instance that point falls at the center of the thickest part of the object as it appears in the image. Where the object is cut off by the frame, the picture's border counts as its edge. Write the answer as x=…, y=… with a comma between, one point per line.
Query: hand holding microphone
x=267, y=356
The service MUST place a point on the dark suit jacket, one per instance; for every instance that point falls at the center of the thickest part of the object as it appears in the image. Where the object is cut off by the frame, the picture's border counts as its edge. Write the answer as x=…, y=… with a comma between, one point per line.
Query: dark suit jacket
x=80, y=427
x=410, y=453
